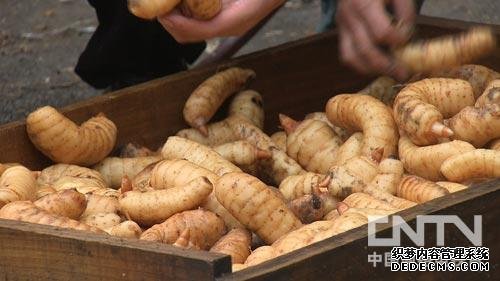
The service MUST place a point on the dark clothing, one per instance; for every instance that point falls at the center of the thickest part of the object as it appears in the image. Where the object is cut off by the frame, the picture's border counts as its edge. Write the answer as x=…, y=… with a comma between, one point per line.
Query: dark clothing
x=126, y=50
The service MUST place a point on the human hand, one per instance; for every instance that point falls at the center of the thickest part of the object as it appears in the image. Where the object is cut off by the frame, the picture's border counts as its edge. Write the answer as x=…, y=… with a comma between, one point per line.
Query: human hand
x=365, y=28
x=235, y=18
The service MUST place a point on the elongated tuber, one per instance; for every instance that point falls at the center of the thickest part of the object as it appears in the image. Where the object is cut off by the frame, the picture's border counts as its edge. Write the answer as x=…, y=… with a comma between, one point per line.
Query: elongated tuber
x=260, y=255
x=241, y=153
x=426, y=161
x=477, y=125
x=313, y=144
x=207, y=98
x=52, y=174
x=479, y=163
x=255, y=206
x=17, y=183
x=113, y=169
x=246, y=105
x=100, y=204
x=204, y=226
x=420, y=107
x=477, y=75
x=203, y=156
x=447, y=51
x=171, y=173
x=419, y=190
x=63, y=141
x=65, y=203
x=28, y=212
x=366, y=114
x=152, y=207
x=236, y=243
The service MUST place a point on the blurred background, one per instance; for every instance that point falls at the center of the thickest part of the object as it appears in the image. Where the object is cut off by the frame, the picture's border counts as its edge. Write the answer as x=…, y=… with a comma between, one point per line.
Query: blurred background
x=41, y=40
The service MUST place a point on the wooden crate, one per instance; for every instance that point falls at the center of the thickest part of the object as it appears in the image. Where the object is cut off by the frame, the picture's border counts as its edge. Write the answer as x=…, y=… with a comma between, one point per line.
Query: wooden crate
x=294, y=78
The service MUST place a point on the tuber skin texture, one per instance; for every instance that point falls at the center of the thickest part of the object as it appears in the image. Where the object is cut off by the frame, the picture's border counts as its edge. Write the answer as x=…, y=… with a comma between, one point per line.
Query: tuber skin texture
x=132, y=150
x=63, y=141
x=203, y=156
x=426, y=161
x=447, y=51
x=113, y=169
x=241, y=153
x=279, y=138
x=126, y=229
x=396, y=202
x=491, y=94
x=28, y=212
x=246, y=105
x=382, y=89
x=171, y=173
x=52, y=174
x=5, y=166
x=321, y=116
x=201, y=9
x=313, y=144
x=294, y=187
x=260, y=255
x=84, y=186
x=150, y=9
x=209, y=96
x=349, y=149
x=390, y=174
x=365, y=201
x=477, y=125
x=100, y=204
x=141, y=181
x=205, y=228
x=256, y=206
x=451, y=186
x=419, y=190
x=17, y=183
x=309, y=208
x=479, y=163
x=276, y=168
x=366, y=114
x=420, y=107
x=66, y=203
x=236, y=243
x=102, y=221
x=477, y=75
x=153, y=207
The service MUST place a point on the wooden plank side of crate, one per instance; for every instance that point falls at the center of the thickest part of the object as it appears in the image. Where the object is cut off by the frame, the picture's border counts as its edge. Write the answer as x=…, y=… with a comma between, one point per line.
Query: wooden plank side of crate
x=344, y=257
x=38, y=252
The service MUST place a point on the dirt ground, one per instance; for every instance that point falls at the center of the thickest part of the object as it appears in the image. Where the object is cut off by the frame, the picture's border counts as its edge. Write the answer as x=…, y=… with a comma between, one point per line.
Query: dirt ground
x=41, y=40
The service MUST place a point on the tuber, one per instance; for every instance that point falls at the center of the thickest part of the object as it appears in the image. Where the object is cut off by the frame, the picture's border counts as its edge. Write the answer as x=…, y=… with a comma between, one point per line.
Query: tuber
x=63, y=141
x=236, y=243
x=17, y=183
x=419, y=190
x=479, y=163
x=66, y=203
x=113, y=169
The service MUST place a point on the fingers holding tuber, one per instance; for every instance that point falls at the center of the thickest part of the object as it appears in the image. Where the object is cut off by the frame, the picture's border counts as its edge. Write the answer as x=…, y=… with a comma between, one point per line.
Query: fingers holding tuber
x=447, y=51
